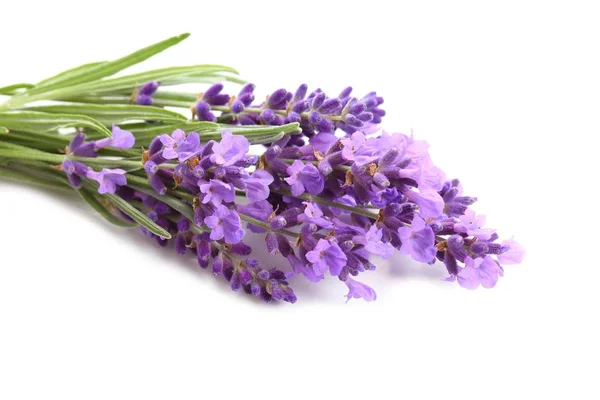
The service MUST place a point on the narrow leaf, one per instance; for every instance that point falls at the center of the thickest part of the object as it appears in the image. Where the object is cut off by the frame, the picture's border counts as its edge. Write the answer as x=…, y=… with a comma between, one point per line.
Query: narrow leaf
x=134, y=80
x=13, y=151
x=81, y=75
x=256, y=130
x=153, y=130
x=137, y=216
x=94, y=201
x=123, y=83
x=68, y=74
x=13, y=89
x=178, y=205
x=33, y=121
x=8, y=151
x=33, y=144
x=109, y=114
x=20, y=176
x=202, y=78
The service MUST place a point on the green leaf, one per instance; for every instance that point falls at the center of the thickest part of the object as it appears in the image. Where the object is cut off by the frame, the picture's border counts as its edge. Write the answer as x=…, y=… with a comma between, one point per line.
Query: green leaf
x=53, y=142
x=123, y=83
x=262, y=130
x=94, y=201
x=57, y=140
x=126, y=99
x=33, y=121
x=86, y=73
x=20, y=176
x=202, y=78
x=130, y=82
x=137, y=216
x=13, y=89
x=12, y=151
x=109, y=114
x=68, y=74
x=3, y=129
x=33, y=144
x=182, y=207
x=151, y=130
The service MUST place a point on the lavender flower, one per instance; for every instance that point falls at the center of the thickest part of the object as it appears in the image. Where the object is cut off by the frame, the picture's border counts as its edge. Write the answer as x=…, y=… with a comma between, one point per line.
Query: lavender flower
x=216, y=192
x=418, y=240
x=327, y=254
x=372, y=240
x=75, y=171
x=513, y=253
x=313, y=214
x=479, y=271
x=359, y=290
x=108, y=179
x=327, y=201
x=230, y=149
x=304, y=178
x=225, y=223
x=121, y=139
x=144, y=94
x=179, y=146
x=472, y=225
x=257, y=185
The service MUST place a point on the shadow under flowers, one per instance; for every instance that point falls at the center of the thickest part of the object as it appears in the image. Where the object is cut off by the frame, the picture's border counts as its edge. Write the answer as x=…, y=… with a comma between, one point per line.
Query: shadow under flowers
x=330, y=290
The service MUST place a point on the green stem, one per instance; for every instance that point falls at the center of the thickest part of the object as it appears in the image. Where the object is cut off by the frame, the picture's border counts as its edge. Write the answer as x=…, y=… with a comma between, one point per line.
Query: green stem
x=16, y=152
x=20, y=176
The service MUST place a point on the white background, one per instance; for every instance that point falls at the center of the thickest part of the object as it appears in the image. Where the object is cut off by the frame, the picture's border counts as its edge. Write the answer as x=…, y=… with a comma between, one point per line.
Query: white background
x=507, y=93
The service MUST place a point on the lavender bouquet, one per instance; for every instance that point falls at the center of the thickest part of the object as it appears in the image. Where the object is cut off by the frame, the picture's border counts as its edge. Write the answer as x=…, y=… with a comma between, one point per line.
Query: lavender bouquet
x=326, y=187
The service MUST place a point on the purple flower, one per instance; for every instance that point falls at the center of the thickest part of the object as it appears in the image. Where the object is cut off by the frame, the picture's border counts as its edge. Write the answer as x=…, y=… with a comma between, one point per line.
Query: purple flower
x=322, y=141
x=121, y=139
x=327, y=254
x=431, y=176
x=373, y=244
x=431, y=204
x=149, y=88
x=484, y=271
x=257, y=185
x=75, y=171
x=358, y=290
x=217, y=191
x=231, y=149
x=79, y=148
x=304, y=177
x=427, y=176
x=214, y=96
x=260, y=210
x=313, y=214
x=225, y=223
x=299, y=268
x=108, y=179
x=514, y=253
x=418, y=240
x=179, y=146
x=472, y=224
x=353, y=149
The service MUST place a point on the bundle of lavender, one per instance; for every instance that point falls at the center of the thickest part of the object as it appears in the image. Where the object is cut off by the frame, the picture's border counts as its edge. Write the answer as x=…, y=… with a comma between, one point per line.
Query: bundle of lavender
x=328, y=190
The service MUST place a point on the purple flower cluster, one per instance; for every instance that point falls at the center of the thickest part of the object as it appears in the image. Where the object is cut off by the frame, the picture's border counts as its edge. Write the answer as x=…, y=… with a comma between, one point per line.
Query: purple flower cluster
x=108, y=179
x=143, y=95
x=329, y=205
x=315, y=112
x=326, y=201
